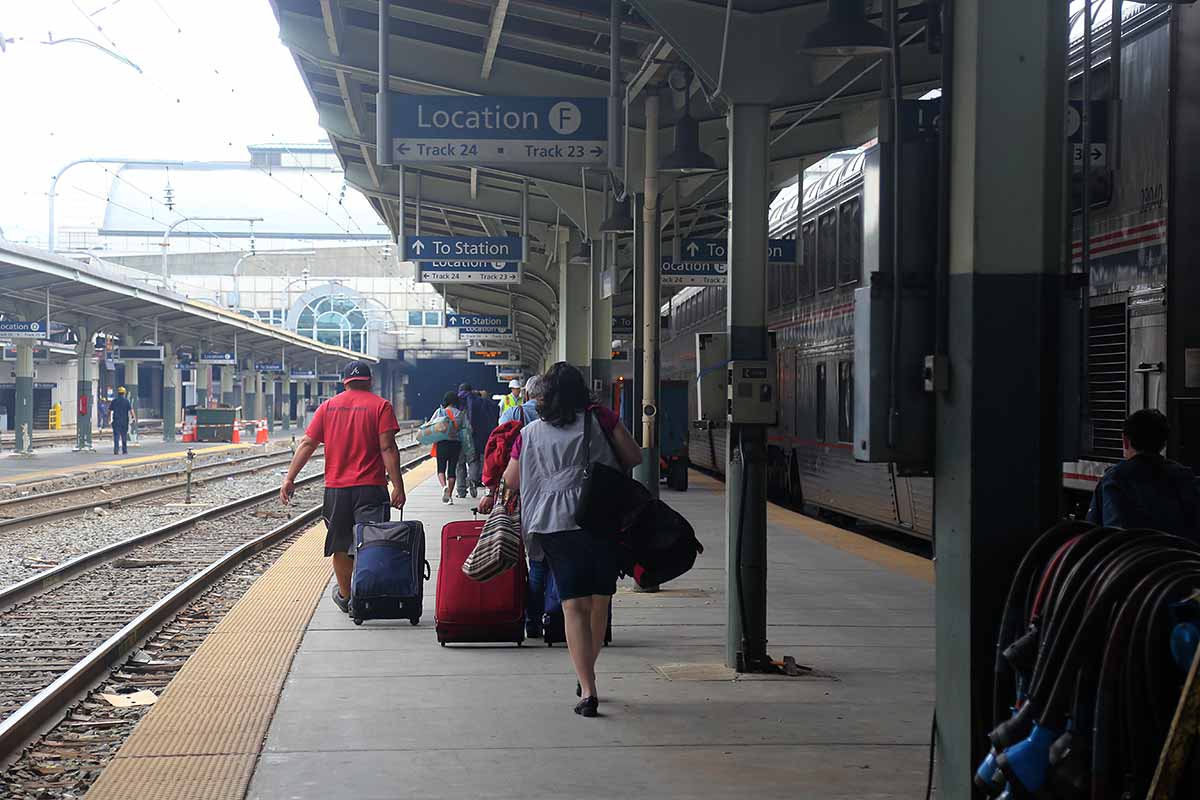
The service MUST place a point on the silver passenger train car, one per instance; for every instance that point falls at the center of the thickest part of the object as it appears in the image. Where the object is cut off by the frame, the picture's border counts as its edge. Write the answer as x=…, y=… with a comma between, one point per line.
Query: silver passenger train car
x=1137, y=352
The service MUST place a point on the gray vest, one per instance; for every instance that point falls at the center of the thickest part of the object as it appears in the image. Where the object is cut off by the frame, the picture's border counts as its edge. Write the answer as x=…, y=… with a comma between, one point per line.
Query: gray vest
x=552, y=473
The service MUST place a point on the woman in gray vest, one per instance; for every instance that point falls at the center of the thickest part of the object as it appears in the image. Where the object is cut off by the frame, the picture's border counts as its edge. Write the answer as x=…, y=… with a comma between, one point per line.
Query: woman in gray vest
x=547, y=467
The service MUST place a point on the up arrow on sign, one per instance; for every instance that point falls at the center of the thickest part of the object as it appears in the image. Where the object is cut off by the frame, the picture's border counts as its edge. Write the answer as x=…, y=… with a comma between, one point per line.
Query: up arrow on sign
x=418, y=247
x=692, y=249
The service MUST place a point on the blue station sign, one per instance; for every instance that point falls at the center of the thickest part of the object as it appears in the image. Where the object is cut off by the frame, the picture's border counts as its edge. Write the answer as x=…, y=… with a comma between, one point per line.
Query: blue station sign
x=694, y=273
x=268, y=366
x=622, y=325
x=497, y=322
x=223, y=359
x=488, y=336
x=469, y=272
x=329, y=377
x=303, y=374
x=459, y=248
x=451, y=129
x=34, y=329
x=779, y=251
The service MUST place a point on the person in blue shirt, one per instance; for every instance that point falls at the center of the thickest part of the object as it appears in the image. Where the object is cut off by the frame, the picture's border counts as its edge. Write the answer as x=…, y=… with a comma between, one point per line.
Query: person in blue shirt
x=1147, y=490
x=527, y=411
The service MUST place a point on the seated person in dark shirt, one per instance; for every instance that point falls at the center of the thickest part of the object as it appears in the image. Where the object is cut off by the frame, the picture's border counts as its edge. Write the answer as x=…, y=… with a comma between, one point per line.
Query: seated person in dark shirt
x=1147, y=490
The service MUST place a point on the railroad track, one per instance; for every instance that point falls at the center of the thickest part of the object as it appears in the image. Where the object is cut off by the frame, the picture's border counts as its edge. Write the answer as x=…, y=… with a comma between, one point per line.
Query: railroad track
x=62, y=631
x=18, y=512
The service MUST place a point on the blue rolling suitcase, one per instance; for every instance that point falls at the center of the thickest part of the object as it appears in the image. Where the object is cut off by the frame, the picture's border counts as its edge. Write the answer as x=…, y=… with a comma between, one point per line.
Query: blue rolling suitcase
x=390, y=571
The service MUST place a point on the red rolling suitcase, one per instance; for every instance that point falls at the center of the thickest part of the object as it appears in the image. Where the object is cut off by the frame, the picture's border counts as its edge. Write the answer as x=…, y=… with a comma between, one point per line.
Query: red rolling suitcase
x=470, y=611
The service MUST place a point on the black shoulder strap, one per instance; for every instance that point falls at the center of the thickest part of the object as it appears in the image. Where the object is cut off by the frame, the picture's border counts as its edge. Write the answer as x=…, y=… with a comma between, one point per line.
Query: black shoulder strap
x=587, y=442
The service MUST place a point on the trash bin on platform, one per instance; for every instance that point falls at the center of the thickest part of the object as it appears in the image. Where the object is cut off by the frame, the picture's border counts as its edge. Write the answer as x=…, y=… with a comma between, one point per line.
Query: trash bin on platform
x=215, y=424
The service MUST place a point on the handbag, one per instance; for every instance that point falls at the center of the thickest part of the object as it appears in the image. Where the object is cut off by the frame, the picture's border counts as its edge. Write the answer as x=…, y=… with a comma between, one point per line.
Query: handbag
x=499, y=547
x=436, y=430
x=610, y=500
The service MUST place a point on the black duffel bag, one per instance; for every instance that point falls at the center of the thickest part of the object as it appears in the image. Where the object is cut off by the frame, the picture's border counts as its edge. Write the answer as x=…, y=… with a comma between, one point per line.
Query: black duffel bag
x=660, y=546
x=610, y=501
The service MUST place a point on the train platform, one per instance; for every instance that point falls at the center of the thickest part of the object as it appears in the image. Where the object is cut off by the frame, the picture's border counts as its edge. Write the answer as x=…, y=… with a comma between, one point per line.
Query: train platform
x=61, y=460
x=381, y=711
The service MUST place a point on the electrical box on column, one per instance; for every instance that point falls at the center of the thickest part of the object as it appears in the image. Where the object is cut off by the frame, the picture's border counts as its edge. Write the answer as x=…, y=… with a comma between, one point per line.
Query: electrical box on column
x=751, y=394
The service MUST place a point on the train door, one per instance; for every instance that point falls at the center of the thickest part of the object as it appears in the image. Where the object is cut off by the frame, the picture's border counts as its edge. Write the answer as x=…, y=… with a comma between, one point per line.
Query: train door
x=1147, y=350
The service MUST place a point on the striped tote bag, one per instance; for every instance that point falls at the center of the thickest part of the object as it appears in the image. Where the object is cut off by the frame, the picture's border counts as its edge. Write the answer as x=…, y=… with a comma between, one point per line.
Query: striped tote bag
x=499, y=547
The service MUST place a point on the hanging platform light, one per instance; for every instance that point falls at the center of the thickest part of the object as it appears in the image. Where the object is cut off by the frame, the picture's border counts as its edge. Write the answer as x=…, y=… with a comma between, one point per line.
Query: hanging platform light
x=846, y=33
x=687, y=158
x=619, y=219
x=580, y=251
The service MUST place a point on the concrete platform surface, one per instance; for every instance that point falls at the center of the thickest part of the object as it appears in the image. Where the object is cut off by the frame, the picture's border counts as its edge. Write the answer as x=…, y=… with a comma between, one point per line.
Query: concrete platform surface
x=381, y=711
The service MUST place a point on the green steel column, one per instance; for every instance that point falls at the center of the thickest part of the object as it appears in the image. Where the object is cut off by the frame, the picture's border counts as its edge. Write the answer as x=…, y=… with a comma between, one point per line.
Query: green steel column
x=228, y=397
x=170, y=383
x=23, y=413
x=574, y=299
x=83, y=389
x=601, y=340
x=203, y=373
x=250, y=393
x=997, y=464
x=746, y=481
x=269, y=400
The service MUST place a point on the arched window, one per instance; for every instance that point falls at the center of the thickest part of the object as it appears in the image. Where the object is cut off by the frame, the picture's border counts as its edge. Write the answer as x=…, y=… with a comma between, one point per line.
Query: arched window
x=335, y=320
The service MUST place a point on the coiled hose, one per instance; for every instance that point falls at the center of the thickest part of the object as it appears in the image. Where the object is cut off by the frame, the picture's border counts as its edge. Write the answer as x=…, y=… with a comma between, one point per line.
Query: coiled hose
x=1086, y=678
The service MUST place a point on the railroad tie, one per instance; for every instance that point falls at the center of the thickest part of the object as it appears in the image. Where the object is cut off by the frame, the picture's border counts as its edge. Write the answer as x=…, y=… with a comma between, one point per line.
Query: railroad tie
x=202, y=739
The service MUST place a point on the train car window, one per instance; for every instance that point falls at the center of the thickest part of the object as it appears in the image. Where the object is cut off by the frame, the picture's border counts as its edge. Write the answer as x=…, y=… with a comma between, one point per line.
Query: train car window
x=827, y=242
x=806, y=274
x=850, y=247
x=820, y=404
x=845, y=401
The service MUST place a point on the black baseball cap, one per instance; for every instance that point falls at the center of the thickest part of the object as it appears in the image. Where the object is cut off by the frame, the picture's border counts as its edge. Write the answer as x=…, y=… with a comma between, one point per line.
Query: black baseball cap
x=356, y=371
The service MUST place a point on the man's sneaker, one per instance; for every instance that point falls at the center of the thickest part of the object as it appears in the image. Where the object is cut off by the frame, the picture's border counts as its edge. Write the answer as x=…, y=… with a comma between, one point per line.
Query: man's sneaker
x=343, y=603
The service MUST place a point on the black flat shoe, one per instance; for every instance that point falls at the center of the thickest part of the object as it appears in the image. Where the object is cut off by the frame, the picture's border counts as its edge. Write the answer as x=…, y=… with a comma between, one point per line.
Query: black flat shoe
x=588, y=707
x=578, y=689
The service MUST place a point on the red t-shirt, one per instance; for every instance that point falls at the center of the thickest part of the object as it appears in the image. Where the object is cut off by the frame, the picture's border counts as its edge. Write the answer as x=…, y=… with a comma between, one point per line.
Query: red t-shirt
x=607, y=418
x=349, y=425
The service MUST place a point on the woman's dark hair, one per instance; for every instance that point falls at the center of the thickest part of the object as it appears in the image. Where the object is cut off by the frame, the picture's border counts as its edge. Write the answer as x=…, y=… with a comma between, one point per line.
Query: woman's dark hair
x=450, y=399
x=564, y=394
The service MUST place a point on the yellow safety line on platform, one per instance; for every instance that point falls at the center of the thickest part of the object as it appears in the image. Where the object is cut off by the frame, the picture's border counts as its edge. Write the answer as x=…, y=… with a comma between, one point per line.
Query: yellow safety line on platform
x=202, y=739
x=886, y=556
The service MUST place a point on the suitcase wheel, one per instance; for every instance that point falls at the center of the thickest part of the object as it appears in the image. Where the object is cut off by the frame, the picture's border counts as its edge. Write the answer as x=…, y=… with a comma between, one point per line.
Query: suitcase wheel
x=519, y=643
x=357, y=621
x=443, y=644
x=414, y=622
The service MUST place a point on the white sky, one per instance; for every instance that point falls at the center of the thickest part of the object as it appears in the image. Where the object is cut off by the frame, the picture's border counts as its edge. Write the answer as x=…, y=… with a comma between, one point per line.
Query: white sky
x=215, y=79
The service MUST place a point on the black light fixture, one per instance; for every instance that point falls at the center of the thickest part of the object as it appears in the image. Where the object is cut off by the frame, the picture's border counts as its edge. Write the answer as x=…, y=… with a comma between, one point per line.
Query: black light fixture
x=580, y=251
x=687, y=158
x=619, y=220
x=846, y=32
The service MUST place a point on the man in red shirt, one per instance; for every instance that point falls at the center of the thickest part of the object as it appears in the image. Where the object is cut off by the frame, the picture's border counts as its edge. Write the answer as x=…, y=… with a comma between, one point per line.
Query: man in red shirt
x=358, y=429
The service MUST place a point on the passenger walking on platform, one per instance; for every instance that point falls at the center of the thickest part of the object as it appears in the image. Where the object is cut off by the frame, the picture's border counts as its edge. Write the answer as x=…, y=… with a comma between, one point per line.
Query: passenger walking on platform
x=448, y=450
x=1147, y=490
x=469, y=474
x=527, y=411
x=547, y=468
x=120, y=416
x=358, y=429
x=513, y=398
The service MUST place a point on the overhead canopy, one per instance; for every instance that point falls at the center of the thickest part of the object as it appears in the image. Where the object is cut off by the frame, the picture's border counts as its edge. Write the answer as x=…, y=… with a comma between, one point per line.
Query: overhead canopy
x=108, y=299
x=561, y=48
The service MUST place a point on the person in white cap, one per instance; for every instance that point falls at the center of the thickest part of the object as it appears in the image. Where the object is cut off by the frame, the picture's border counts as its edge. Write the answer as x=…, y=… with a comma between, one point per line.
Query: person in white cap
x=513, y=398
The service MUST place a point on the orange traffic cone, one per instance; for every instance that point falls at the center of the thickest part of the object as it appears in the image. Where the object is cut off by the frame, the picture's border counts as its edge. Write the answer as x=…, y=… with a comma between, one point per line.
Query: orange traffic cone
x=260, y=435
x=237, y=432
